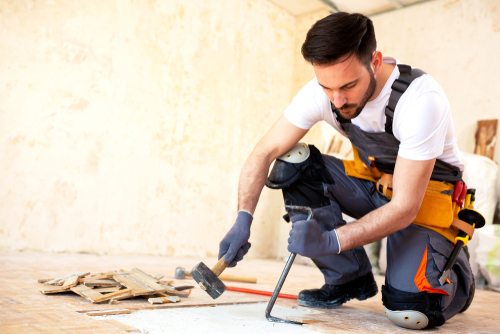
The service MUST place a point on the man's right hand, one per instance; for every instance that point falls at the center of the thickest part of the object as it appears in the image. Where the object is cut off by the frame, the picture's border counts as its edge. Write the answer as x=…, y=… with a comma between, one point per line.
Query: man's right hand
x=235, y=244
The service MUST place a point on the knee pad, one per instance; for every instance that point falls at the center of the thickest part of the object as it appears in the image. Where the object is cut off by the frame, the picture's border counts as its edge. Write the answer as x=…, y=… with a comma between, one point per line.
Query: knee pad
x=420, y=310
x=300, y=173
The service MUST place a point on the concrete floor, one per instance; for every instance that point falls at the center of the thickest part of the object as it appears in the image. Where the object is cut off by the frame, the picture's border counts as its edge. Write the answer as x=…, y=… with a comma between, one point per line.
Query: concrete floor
x=241, y=319
x=23, y=309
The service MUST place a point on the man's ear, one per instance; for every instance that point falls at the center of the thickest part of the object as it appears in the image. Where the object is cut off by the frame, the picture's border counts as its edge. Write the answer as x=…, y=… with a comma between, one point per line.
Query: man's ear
x=377, y=60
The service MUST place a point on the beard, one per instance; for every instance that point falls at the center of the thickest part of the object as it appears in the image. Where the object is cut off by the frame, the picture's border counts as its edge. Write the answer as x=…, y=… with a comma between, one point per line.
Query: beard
x=359, y=107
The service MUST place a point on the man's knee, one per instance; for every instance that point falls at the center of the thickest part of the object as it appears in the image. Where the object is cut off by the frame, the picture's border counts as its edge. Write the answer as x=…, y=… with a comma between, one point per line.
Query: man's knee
x=301, y=173
x=412, y=310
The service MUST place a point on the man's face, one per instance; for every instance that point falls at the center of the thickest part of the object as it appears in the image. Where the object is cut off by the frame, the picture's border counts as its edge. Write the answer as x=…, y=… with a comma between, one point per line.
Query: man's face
x=348, y=84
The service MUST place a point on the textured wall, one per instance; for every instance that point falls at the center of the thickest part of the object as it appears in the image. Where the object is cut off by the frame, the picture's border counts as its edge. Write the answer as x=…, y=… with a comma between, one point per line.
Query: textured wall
x=124, y=124
x=457, y=42
x=302, y=74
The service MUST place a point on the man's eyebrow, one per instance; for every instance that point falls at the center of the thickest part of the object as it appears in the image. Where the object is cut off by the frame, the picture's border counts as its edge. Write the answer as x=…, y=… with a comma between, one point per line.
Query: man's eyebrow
x=347, y=84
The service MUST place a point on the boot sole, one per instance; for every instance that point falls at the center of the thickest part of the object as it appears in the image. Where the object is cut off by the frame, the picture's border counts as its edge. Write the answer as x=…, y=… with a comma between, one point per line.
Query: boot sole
x=359, y=294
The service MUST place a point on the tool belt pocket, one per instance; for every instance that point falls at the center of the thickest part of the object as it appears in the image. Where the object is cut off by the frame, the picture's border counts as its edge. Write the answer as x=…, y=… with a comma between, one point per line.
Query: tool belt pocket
x=437, y=206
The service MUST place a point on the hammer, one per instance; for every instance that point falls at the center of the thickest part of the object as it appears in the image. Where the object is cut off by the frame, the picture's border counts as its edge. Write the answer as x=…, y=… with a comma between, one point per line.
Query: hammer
x=208, y=280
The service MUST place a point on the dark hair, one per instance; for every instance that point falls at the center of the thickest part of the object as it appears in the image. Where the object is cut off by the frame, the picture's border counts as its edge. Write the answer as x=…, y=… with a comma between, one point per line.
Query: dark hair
x=340, y=34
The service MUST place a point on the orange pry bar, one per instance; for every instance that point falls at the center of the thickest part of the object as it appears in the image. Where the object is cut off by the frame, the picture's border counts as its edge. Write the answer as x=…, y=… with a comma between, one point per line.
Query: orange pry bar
x=259, y=292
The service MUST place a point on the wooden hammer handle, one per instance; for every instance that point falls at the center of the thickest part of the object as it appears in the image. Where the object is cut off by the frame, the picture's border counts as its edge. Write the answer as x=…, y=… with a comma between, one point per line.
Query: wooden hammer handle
x=233, y=278
x=220, y=266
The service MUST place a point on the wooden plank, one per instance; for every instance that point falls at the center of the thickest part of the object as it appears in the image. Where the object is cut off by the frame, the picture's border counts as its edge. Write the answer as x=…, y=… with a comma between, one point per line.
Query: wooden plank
x=204, y=303
x=71, y=282
x=98, y=276
x=63, y=278
x=124, y=296
x=46, y=289
x=101, y=283
x=167, y=283
x=182, y=294
x=107, y=290
x=137, y=288
x=108, y=312
x=148, y=280
x=163, y=300
x=96, y=297
x=44, y=280
x=111, y=273
x=87, y=293
x=168, y=287
x=115, y=295
x=158, y=276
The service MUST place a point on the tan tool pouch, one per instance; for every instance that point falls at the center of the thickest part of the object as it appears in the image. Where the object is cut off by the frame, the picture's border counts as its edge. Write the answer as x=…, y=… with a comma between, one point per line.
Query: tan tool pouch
x=437, y=211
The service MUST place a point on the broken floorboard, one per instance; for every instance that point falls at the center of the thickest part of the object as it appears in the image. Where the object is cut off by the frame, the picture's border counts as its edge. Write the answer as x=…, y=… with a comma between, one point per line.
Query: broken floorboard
x=24, y=309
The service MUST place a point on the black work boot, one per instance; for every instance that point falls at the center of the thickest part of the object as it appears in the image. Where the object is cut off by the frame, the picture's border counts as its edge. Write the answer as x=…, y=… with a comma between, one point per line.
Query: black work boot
x=330, y=296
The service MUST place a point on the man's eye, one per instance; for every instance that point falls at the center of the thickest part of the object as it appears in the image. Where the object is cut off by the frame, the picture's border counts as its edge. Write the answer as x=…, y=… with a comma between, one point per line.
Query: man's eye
x=349, y=87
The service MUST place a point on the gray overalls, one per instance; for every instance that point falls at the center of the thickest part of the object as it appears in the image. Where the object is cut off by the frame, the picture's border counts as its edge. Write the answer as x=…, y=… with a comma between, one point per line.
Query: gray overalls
x=327, y=189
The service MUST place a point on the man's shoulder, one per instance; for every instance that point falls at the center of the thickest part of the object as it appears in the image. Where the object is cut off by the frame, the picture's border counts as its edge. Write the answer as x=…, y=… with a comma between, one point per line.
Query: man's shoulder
x=423, y=87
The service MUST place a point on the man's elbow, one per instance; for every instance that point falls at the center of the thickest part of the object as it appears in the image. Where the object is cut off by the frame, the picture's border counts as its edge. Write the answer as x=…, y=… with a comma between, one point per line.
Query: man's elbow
x=408, y=213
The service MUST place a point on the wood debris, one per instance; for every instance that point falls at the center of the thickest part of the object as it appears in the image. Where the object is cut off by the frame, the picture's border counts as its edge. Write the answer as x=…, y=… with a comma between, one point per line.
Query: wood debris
x=108, y=312
x=162, y=300
x=182, y=294
x=101, y=283
x=114, y=285
x=60, y=280
x=71, y=282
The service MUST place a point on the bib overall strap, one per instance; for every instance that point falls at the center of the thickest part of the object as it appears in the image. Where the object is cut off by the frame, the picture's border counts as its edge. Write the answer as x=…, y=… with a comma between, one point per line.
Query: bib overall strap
x=406, y=76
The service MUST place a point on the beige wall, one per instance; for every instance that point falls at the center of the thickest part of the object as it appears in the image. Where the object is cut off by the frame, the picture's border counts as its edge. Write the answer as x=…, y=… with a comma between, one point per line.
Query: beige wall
x=124, y=124
x=302, y=74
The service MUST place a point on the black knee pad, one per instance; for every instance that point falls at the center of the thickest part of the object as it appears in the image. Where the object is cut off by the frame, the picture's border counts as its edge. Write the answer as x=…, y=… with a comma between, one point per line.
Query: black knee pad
x=411, y=310
x=301, y=182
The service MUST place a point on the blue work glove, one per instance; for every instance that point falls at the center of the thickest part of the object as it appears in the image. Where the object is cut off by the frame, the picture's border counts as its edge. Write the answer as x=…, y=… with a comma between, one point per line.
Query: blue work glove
x=307, y=239
x=235, y=244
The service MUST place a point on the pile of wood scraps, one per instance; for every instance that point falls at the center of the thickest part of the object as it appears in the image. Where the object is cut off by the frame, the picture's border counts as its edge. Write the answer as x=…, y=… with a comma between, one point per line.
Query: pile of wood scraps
x=112, y=286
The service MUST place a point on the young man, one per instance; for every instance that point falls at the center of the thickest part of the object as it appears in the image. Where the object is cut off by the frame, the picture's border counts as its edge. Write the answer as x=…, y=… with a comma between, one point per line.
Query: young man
x=399, y=185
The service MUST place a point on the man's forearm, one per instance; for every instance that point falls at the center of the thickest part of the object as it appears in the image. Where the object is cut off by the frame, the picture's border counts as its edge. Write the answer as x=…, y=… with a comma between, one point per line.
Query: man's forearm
x=374, y=226
x=252, y=180
x=411, y=178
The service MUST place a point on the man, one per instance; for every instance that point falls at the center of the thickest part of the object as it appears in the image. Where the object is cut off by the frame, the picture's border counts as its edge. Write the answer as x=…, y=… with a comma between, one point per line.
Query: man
x=399, y=185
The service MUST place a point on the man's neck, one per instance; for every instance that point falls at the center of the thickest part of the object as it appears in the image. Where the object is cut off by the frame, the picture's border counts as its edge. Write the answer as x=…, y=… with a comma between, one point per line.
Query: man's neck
x=382, y=79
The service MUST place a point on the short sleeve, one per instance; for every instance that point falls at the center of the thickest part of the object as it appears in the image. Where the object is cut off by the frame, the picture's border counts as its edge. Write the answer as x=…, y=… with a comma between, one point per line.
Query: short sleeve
x=422, y=126
x=306, y=108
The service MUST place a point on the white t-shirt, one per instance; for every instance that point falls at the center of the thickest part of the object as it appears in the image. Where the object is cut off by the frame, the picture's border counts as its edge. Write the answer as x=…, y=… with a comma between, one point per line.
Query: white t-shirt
x=422, y=119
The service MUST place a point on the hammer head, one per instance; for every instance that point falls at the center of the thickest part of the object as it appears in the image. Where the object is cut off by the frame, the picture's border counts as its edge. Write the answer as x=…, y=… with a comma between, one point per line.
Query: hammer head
x=207, y=279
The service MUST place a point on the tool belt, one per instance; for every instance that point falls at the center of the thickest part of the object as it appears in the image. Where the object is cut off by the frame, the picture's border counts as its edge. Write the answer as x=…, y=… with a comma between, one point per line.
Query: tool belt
x=438, y=211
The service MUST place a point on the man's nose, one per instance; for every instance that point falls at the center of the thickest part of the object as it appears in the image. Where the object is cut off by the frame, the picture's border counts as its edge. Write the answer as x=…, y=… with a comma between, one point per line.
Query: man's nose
x=338, y=100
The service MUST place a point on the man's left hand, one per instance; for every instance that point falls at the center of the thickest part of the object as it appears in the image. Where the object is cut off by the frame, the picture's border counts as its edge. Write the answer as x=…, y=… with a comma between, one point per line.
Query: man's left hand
x=307, y=239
